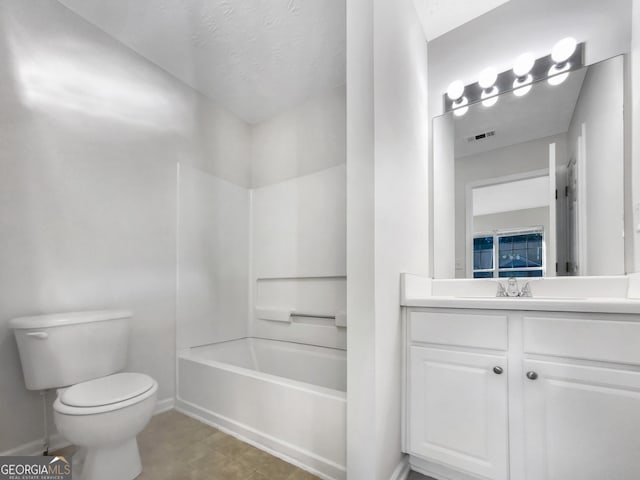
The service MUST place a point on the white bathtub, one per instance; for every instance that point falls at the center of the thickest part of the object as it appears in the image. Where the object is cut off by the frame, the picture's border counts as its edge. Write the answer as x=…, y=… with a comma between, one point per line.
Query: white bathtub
x=284, y=397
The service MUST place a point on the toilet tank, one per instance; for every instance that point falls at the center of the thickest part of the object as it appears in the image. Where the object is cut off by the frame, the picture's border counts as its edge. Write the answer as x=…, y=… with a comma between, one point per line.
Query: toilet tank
x=68, y=348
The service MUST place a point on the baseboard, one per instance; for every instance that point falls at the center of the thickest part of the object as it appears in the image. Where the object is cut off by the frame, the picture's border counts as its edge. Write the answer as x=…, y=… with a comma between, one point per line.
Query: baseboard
x=56, y=441
x=164, y=405
x=437, y=471
x=318, y=466
x=402, y=470
x=32, y=449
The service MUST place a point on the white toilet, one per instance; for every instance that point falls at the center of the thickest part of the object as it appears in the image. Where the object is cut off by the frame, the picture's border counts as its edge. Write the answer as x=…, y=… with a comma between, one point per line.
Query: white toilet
x=98, y=410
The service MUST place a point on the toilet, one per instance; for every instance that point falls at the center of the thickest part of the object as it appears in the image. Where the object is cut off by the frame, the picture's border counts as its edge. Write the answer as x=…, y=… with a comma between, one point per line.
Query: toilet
x=98, y=408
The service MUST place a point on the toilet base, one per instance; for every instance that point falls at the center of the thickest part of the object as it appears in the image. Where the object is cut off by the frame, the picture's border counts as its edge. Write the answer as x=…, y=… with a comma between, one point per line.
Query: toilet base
x=106, y=435
x=120, y=461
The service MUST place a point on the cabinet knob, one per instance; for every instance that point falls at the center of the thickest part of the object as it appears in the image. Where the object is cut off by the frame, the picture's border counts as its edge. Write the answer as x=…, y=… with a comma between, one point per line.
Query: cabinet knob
x=532, y=375
x=498, y=370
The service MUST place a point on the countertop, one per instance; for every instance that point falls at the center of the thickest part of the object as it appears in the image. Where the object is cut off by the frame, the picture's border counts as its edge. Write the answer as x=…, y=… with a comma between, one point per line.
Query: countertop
x=549, y=304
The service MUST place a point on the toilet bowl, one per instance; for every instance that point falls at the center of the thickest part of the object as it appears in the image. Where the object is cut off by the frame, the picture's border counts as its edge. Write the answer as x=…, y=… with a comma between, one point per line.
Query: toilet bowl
x=102, y=417
x=102, y=411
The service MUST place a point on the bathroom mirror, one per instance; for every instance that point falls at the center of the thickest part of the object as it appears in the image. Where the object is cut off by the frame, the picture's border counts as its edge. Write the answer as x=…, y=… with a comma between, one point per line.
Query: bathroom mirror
x=533, y=185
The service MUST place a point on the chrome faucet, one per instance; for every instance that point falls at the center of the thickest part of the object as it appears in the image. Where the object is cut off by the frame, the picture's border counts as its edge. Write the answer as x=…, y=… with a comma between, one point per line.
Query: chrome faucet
x=526, y=290
x=512, y=287
x=513, y=290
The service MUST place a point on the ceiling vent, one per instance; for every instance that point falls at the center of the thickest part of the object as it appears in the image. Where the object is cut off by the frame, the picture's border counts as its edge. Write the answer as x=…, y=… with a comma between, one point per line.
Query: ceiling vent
x=481, y=136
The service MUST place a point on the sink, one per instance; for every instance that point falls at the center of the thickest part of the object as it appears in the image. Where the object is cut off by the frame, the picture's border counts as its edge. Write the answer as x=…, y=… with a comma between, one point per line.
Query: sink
x=564, y=299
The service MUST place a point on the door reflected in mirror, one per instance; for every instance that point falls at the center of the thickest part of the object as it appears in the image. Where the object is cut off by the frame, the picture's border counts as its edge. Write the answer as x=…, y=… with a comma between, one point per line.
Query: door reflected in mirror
x=533, y=185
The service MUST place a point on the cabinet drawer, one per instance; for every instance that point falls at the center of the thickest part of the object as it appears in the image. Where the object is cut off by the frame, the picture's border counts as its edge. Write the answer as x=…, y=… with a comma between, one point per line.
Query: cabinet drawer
x=607, y=340
x=460, y=329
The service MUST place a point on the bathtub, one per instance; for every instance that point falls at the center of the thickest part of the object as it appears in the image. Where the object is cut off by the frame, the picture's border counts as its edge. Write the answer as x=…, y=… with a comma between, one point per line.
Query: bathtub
x=283, y=397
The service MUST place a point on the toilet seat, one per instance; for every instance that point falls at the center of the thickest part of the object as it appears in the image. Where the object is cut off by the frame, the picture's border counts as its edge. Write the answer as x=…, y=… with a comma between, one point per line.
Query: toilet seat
x=105, y=394
x=107, y=390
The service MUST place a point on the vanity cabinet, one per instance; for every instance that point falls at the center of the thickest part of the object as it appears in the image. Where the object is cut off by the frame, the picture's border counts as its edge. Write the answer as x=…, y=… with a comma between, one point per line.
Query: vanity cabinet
x=522, y=395
x=581, y=422
x=459, y=409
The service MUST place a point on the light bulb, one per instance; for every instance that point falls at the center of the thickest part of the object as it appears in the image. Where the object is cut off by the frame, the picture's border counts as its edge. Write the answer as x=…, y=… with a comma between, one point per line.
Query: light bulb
x=556, y=75
x=563, y=50
x=460, y=111
x=455, y=90
x=460, y=106
x=523, y=64
x=558, y=79
x=522, y=91
x=487, y=78
x=522, y=86
x=489, y=97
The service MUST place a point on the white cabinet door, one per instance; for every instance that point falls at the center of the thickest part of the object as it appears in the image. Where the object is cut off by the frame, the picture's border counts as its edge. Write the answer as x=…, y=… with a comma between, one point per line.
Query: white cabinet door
x=581, y=423
x=458, y=410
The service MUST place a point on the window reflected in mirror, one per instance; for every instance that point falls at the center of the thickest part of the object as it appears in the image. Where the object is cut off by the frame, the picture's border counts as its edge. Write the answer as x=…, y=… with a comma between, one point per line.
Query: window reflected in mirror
x=507, y=253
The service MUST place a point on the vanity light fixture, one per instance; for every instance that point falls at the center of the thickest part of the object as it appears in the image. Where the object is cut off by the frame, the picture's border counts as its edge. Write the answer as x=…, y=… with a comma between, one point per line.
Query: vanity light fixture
x=461, y=107
x=567, y=55
x=490, y=97
x=556, y=75
x=522, y=86
x=521, y=68
x=487, y=78
x=523, y=64
x=455, y=92
x=560, y=54
x=487, y=82
x=563, y=50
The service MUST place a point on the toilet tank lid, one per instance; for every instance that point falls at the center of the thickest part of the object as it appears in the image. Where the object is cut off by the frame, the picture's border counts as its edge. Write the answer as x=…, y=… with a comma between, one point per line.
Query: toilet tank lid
x=70, y=318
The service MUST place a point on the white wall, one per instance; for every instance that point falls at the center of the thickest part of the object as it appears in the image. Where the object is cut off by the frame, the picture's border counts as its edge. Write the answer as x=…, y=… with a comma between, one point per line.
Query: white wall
x=387, y=217
x=600, y=109
x=299, y=226
x=511, y=160
x=444, y=192
x=401, y=198
x=512, y=195
x=213, y=259
x=305, y=139
x=221, y=144
x=527, y=217
x=361, y=334
x=299, y=255
x=90, y=136
x=298, y=220
x=634, y=129
x=241, y=249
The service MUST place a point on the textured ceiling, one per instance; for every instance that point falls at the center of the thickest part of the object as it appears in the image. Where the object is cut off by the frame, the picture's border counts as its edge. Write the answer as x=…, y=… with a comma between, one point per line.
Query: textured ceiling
x=257, y=58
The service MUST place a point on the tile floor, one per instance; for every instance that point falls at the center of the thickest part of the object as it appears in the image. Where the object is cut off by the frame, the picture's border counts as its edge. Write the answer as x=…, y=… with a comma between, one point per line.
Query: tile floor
x=177, y=447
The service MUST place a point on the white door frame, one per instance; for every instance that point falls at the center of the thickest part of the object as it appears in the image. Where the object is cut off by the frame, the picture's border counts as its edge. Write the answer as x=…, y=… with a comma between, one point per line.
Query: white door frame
x=551, y=237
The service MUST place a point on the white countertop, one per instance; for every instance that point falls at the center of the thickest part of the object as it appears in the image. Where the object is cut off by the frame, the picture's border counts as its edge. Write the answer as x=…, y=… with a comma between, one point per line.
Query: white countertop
x=593, y=304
